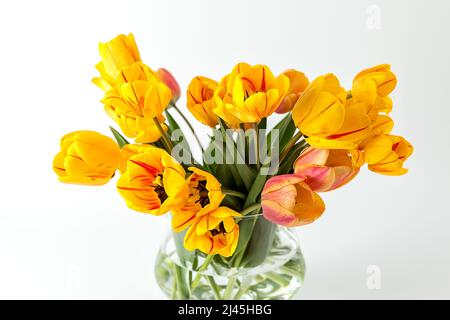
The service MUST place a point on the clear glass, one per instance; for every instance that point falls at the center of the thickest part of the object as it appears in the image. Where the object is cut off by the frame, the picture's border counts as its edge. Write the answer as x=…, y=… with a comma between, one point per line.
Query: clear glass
x=279, y=277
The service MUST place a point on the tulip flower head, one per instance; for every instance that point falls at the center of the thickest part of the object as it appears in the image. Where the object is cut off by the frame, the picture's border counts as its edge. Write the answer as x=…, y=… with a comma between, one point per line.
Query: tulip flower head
x=137, y=102
x=249, y=94
x=297, y=85
x=87, y=158
x=200, y=100
x=153, y=182
x=214, y=233
x=327, y=118
x=325, y=170
x=116, y=54
x=169, y=80
x=289, y=201
x=205, y=195
x=386, y=154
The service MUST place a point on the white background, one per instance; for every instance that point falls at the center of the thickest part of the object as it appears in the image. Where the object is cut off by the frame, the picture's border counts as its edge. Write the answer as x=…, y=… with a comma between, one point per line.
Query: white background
x=63, y=241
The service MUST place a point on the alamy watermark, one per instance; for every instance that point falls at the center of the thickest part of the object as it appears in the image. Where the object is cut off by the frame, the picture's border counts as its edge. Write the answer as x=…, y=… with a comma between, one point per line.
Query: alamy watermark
x=373, y=281
x=234, y=146
x=373, y=20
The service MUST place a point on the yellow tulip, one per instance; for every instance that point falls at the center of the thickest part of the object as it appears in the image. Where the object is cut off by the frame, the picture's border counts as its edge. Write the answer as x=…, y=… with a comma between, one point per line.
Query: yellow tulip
x=137, y=101
x=214, y=233
x=200, y=100
x=205, y=195
x=249, y=94
x=372, y=87
x=153, y=182
x=386, y=154
x=381, y=125
x=87, y=158
x=116, y=54
x=381, y=77
x=298, y=83
x=129, y=150
x=327, y=119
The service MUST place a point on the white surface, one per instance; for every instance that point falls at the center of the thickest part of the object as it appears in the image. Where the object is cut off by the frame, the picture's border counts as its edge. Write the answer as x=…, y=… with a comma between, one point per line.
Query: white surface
x=62, y=241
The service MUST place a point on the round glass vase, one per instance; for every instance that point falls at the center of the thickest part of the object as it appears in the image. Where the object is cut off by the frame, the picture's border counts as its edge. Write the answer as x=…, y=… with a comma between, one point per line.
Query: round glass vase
x=279, y=277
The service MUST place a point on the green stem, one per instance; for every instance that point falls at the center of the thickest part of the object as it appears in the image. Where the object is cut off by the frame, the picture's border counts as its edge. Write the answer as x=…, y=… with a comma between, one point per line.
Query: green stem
x=256, y=142
x=189, y=125
x=199, y=272
x=251, y=208
x=229, y=289
x=164, y=135
x=289, y=146
x=235, y=193
x=173, y=295
x=214, y=287
x=182, y=289
x=277, y=279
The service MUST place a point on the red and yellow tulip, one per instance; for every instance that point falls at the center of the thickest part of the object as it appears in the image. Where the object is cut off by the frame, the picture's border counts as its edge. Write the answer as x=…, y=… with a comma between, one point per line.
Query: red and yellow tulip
x=249, y=94
x=324, y=169
x=137, y=103
x=214, y=233
x=205, y=195
x=153, y=182
x=289, y=201
x=200, y=100
x=169, y=80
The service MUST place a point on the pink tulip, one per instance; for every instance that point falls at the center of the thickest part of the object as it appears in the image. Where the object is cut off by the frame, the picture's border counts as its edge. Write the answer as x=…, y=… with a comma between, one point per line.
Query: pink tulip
x=287, y=200
x=325, y=170
x=170, y=81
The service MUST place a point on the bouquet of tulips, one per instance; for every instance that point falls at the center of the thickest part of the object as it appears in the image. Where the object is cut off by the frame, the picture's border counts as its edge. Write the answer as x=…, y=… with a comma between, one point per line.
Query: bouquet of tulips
x=227, y=205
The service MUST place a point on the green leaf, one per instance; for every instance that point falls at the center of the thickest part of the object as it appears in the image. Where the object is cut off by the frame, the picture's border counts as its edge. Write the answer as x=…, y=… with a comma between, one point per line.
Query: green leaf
x=286, y=129
x=246, y=226
x=244, y=172
x=286, y=165
x=121, y=141
x=173, y=125
x=260, y=243
x=225, y=173
x=287, y=132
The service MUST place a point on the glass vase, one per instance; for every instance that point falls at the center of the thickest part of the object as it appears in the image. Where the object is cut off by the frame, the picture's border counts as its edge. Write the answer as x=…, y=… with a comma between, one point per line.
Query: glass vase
x=278, y=277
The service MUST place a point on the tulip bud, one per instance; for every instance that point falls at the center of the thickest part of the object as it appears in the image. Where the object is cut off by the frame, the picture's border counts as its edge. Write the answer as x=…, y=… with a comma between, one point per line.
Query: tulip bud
x=381, y=76
x=287, y=200
x=116, y=54
x=297, y=84
x=200, y=100
x=170, y=81
x=86, y=157
x=325, y=170
x=320, y=111
x=386, y=154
